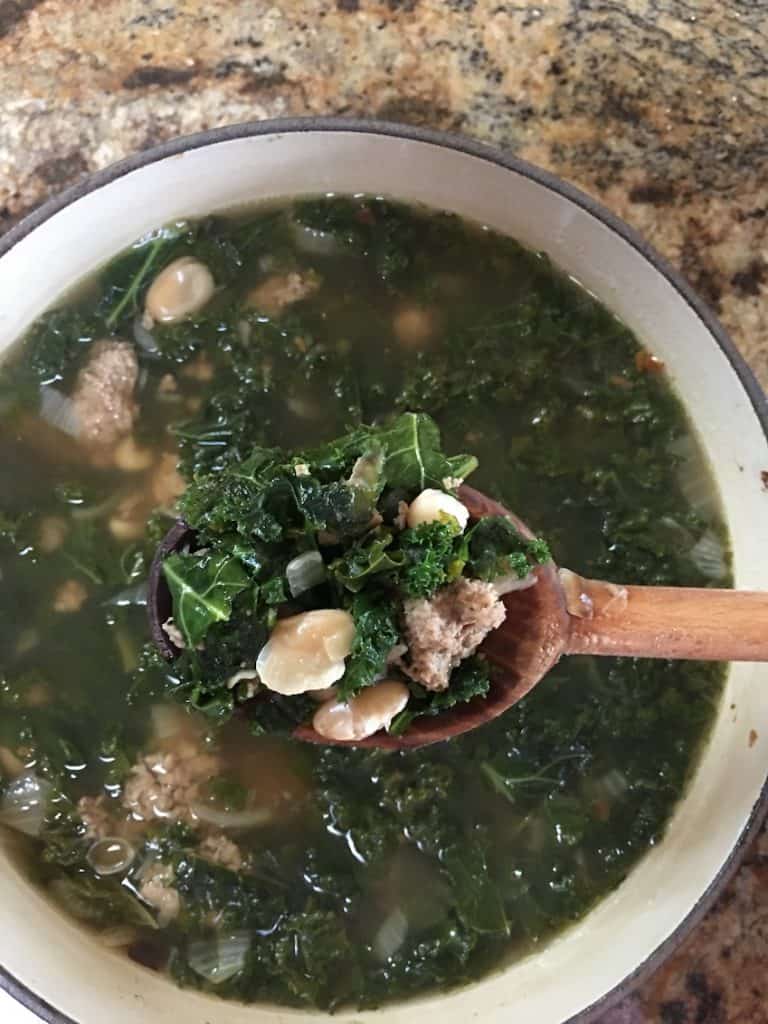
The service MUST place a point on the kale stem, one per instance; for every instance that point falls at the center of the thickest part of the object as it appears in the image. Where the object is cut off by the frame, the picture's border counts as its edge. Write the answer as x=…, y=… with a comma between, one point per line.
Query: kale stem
x=504, y=786
x=136, y=283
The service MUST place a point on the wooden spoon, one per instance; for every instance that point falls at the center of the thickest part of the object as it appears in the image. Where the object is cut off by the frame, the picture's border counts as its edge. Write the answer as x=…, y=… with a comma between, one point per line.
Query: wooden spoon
x=562, y=614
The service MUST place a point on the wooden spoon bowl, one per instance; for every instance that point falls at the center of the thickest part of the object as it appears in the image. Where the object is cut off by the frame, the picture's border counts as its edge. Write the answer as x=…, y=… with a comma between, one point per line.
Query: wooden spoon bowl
x=522, y=650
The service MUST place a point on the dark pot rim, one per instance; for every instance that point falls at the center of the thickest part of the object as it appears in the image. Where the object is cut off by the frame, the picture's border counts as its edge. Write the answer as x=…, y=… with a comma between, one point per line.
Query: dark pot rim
x=31, y=1000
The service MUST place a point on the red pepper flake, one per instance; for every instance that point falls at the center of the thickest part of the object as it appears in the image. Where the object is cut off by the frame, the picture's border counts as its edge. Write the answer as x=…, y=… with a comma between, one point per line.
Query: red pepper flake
x=647, y=363
x=764, y=478
x=752, y=738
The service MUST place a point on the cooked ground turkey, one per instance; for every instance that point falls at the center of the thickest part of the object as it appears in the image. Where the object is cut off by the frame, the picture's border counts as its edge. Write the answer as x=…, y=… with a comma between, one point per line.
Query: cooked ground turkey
x=95, y=816
x=276, y=293
x=104, y=392
x=218, y=849
x=443, y=631
x=163, y=785
x=157, y=889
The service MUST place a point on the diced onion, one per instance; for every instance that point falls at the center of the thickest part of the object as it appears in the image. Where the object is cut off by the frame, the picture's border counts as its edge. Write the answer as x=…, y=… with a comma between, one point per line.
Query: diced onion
x=694, y=477
x=219, y=958
x=243, y=328
x=110, y=855
x=319, y=243
x=304, y=572
x=303, y=407
x=614, y=784
x=143, y=337
x=507, y=584
x=391, y=935
x=167, y=720
x=118, y=936
x=84, y=513
x=247, y=675
x=59, y=411
x=24, y=804
x=708, y=556
x=211, y=815
x=135, y=595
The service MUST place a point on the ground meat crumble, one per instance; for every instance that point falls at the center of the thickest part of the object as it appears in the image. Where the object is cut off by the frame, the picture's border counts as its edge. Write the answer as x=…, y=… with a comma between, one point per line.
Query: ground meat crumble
x=156, y=889
x=104, y=392
x=443, y=631
x=163, y=785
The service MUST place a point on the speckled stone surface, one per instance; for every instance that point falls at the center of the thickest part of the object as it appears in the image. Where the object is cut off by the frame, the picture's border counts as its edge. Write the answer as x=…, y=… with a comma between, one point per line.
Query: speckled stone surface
x=657, y=107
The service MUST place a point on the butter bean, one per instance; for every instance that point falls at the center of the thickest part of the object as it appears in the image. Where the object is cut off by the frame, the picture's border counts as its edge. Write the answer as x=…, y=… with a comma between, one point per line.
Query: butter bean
x=371, y=710
x=431, y=505
x=178, y=291
x=306, y=652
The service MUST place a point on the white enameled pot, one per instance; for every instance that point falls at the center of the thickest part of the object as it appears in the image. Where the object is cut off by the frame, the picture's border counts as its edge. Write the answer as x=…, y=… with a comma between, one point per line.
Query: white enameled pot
x=51, y=965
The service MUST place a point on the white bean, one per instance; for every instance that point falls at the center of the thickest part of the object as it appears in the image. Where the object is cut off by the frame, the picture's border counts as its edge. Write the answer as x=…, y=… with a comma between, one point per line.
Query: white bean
x=179, y=290
x=413, y=326
x=431, y=505
x=363, y=715
x=167, y=482
x=306, y=652
x=130, y=457
x=70, y=596
x=53, y=533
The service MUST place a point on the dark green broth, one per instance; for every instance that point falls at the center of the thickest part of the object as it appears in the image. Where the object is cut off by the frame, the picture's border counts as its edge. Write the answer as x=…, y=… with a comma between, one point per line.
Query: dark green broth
x=401, y=872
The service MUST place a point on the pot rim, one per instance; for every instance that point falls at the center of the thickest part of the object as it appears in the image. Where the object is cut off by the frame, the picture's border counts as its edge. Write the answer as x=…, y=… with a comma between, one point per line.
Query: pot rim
x=463, y=144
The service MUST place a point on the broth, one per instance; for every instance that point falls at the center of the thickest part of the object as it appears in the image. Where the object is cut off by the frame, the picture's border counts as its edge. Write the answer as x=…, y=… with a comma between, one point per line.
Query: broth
x=253, y=866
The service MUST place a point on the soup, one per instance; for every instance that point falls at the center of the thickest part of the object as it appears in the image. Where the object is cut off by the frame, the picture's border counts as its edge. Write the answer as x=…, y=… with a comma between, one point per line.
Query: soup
x=161, y=813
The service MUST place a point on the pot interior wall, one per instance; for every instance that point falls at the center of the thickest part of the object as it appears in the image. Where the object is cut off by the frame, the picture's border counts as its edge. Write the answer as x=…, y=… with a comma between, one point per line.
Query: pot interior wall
x=50, y=955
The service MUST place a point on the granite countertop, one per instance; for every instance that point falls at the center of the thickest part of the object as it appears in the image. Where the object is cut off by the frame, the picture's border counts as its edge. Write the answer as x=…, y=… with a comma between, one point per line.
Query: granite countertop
x=657, y=107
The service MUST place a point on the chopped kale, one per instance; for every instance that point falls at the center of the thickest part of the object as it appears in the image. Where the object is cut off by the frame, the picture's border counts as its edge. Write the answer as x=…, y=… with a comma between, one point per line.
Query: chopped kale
x=372, y=556
x=414, y=458
x=495, y=548
x=376, y=633
x=99, y=901
x=471, y=679
x=203, y=586
x=56, y=343
x=432, y=558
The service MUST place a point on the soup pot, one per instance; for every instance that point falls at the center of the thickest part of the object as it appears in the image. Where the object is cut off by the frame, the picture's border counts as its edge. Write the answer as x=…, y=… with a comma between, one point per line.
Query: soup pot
x=57, y=969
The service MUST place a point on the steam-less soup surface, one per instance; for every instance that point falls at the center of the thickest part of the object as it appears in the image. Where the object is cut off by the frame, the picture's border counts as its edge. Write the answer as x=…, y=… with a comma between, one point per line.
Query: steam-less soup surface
x=155, y=809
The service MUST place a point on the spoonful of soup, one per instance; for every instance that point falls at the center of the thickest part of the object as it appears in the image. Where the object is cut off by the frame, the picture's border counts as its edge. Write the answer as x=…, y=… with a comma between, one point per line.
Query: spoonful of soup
x=362, y=594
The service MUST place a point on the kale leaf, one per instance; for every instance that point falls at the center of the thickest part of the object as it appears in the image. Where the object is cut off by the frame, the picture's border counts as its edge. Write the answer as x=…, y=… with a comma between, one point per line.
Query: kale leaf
x=374, y=556
x=314, y=956
x=468, y=680
x=376, y=633
x=433, y=557
x=202, y=586
x=478, y=899
x=238, y=499
x=495, y=548
x=99, y=900
x=414, y=457
x=374, y=228
x=56, y=342
x=264, y=498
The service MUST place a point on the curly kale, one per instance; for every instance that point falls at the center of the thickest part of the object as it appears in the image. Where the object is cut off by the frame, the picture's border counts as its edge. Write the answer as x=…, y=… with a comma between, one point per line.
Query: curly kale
x=471, y=679
x=56, y=343
x=495, y=548
x=433, y=557
x=376, y=633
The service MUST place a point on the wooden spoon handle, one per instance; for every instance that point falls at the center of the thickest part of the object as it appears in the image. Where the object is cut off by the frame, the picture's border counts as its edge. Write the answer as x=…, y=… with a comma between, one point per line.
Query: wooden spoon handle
x=666, y=622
